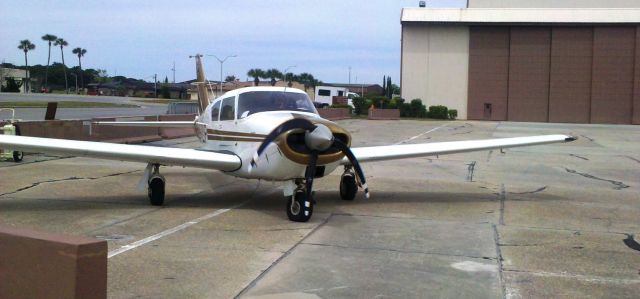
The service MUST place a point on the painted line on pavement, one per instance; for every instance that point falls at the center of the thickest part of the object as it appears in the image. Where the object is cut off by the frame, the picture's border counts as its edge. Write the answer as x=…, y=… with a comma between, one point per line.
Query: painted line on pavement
x=421, y=134
x=172, y=230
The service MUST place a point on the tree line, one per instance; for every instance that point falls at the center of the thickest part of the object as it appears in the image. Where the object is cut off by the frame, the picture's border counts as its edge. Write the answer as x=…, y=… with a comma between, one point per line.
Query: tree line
x=273, y=75
x=26, y=46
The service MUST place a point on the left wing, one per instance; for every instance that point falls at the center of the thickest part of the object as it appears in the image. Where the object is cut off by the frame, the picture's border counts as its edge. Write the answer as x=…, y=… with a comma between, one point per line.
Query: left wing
x=391, y=152
x=124, y=152
x=147, y=123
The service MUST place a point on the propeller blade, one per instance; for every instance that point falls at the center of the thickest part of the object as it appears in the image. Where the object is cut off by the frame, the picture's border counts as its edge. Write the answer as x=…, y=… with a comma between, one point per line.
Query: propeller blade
x=310, y=173
x=296, y=123
x=354, y=162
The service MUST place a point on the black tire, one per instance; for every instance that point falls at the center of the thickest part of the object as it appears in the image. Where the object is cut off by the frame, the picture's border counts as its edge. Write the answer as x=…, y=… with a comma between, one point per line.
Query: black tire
x=156, y=191
x=17, y=156
x=348, y=188
x=299, y=209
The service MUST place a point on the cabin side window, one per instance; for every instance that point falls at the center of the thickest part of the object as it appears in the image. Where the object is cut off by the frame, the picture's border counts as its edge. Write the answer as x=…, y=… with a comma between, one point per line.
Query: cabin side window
x=215, y=111
x=227, y=110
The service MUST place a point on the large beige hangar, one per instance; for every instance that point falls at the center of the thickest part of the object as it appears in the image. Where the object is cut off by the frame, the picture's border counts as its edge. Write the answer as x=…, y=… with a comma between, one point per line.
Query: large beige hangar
x=562, y=61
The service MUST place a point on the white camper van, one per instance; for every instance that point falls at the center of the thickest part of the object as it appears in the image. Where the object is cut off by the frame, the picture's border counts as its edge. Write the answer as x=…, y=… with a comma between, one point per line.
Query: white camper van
x=324, y=95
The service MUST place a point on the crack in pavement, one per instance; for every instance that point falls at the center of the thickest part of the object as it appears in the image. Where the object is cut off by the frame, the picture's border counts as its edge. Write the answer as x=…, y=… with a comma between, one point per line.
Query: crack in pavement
x=502, y=195
x=399, y=251
x=73, y=178
x=580, y=277
x=531, y=192
x=525, y=245
x=47, y=159
x=496, y=239
x=579, y=157
x=589, y=138
x=632, y=158
x=618, y=185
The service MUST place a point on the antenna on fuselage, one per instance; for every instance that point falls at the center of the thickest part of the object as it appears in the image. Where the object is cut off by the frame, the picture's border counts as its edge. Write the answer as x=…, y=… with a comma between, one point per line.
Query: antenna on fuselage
x=203, y=94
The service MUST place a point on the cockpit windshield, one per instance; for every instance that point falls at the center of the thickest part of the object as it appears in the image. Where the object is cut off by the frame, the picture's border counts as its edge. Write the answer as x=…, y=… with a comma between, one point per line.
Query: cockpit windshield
x=261, y=101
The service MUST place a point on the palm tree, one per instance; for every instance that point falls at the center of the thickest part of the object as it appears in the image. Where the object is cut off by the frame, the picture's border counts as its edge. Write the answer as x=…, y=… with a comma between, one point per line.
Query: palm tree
x=307, y=79
x=256, y=74
x=63, y=43
x=80, y=52
x=26, y=46
x=290, y=77
x=48, y=38
x=273, y=74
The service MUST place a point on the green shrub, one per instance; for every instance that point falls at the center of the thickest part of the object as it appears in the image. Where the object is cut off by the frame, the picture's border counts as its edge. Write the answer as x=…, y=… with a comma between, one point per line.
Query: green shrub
x=438, y=112
x=380, y=102
x=417, y=109
x=405, y=110
x=360, y=105
x=453, y=114
x=396, y=103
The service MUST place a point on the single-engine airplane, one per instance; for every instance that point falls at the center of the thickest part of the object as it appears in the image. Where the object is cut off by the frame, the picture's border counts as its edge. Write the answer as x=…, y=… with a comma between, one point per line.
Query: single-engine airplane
x=268, y=133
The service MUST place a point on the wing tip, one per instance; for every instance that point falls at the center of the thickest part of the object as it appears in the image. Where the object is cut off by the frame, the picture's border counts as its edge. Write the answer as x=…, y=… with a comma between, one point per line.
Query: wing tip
x=570, y=138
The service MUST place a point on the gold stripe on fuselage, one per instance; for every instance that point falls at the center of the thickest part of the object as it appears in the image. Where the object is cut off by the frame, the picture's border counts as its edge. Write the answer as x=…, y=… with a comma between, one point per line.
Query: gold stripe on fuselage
x=235, y=134
x=233, y=138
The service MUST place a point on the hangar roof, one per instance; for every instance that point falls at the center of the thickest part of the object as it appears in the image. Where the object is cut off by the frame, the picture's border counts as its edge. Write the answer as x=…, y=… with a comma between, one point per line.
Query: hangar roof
x=479, y=16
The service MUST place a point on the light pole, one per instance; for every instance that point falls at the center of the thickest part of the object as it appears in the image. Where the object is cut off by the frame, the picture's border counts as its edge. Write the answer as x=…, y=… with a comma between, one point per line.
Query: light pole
x=221, y=62
x=286, y=70
x=76, y=76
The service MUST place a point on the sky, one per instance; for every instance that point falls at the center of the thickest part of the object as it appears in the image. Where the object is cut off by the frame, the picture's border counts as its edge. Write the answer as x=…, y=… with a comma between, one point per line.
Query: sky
x=141, y=38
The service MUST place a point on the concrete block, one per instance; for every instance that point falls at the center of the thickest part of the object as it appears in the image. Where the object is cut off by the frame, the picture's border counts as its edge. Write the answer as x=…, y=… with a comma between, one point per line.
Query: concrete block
x=44, y=265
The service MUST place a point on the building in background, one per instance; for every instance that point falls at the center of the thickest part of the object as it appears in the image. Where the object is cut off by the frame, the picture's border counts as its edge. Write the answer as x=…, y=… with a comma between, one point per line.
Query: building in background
x=575, y=61
x=361, y=89
x=18, y=75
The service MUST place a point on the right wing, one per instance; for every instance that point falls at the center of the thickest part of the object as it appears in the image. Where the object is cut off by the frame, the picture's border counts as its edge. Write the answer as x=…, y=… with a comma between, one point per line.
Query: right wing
x=124, y=152
x=402, y=151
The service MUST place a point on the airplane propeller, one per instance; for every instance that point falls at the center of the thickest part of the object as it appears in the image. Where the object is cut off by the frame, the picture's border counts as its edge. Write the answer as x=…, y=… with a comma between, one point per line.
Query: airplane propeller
x=318, y=138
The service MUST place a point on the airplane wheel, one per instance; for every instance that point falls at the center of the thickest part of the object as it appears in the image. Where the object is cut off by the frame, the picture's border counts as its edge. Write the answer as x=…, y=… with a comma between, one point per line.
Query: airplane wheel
x=156, y=191
x=299, y=209
x=348, y=188
x=17, y=156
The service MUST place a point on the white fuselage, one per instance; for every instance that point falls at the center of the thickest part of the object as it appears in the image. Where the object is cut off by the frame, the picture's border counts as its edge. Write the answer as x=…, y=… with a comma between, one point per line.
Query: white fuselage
x=243, y=135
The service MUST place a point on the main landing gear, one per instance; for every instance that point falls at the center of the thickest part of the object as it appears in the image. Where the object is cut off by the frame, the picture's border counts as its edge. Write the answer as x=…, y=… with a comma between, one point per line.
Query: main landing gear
x=156, y=186
x=348, y=185
x=299, y=206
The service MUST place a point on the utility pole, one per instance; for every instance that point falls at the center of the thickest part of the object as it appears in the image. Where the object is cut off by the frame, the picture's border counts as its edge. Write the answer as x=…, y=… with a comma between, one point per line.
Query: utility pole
x=349, y=75
x=76, y=77
x=173, y=69
x=221, y=62
x=155, y=85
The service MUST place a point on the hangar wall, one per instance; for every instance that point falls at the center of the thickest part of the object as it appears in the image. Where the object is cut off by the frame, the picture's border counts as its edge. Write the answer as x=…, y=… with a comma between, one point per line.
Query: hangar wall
x=553, y=3
x=435, y=65
x=583, y=74
x=570, y=88
x=488, y=73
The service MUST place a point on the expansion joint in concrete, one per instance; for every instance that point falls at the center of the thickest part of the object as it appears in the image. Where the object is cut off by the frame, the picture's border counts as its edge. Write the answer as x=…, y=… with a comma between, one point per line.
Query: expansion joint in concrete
x=282, y=257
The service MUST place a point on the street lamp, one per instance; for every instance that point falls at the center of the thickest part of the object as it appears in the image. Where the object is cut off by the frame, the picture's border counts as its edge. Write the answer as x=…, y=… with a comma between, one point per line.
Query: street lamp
x=221, y=62
x=286, y=70
x=76, y=76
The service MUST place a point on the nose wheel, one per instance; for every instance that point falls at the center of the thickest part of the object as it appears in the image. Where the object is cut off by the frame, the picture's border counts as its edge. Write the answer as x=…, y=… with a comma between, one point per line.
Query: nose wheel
x=299, y=207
